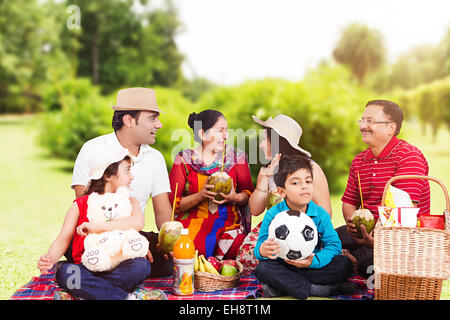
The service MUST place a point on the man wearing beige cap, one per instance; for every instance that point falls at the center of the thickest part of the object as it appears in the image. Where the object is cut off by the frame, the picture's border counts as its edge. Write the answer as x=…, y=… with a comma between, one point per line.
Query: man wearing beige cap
x=135, y=123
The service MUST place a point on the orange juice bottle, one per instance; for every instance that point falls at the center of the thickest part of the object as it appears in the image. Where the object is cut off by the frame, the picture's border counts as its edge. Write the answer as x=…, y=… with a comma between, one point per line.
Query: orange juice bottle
x=183, y=265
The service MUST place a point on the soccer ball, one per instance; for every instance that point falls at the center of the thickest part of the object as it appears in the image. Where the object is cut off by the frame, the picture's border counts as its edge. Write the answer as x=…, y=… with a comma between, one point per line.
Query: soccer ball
x=296, y=233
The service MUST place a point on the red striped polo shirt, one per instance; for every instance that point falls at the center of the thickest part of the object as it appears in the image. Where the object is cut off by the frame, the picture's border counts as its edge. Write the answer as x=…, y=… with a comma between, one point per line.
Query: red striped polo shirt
x=397, y=158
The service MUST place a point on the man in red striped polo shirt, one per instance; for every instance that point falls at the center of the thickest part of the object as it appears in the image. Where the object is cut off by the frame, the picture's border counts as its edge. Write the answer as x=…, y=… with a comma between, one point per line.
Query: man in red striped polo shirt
x=387, y=156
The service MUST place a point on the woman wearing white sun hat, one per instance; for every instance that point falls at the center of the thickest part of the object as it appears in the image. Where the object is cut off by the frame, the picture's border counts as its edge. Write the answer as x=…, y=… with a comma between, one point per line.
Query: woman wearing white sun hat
x=281, y=137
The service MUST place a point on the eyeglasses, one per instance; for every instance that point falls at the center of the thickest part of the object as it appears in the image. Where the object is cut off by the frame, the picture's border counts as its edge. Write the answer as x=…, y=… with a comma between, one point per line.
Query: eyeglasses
x=371, y=121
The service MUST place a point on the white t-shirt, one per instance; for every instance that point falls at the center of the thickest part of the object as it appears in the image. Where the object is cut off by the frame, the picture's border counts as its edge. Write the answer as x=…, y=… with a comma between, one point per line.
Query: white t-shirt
x=149, y=169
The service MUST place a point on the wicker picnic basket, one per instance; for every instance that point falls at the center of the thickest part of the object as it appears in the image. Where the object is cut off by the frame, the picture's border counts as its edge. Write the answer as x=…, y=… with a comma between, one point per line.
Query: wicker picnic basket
x=205, y=281
x=411, y=263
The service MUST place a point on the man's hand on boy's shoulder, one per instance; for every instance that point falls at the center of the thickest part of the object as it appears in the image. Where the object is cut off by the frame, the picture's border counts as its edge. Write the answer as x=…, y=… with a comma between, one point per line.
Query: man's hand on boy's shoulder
x=305, y=263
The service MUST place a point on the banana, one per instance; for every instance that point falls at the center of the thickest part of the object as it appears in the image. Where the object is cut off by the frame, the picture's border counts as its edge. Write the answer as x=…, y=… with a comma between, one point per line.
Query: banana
x=204, y=262
x=196, y=266
x=208, y=266
x=201, y=265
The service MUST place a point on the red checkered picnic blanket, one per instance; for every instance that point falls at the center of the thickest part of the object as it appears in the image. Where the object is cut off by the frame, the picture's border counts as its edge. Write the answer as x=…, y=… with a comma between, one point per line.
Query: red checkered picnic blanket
x=249, y=287
x=362, y=291
x=44, y=286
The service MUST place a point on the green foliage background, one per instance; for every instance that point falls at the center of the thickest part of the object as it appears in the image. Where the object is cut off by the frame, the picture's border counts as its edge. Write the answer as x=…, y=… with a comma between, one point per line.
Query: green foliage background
x=71, y=77
x=68, y=79
x=326, y=103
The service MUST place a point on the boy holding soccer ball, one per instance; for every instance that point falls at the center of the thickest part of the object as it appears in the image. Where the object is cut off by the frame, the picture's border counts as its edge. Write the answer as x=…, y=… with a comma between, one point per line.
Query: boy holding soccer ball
x=324, y=272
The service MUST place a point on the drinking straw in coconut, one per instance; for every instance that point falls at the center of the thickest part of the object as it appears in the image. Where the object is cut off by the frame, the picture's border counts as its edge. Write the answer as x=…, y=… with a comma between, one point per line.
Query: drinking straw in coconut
x=174, y=199
x=360, y=192
x=223, y=157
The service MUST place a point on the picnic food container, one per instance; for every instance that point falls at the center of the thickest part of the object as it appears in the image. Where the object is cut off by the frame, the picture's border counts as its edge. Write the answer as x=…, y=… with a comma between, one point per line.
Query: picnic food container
x=411, y=263
x=398, y=217
x=205, y=281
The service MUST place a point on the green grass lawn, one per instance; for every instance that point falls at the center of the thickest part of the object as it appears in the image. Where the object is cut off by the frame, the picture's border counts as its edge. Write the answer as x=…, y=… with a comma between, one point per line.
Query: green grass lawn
x=35, y=195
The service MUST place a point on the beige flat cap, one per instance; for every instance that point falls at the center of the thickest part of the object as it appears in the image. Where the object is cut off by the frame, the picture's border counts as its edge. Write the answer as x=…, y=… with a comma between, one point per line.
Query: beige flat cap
x=136, y=99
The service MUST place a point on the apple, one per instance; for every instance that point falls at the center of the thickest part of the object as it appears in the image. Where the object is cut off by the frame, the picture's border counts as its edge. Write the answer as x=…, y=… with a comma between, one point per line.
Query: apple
x=228, y=270
x=231, y=263
x=215, y=262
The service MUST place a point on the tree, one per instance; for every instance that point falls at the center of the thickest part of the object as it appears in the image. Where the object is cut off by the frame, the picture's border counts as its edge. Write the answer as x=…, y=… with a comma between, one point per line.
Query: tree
x=422, y=64
x=30, y=51
x=121, y=47
x=360, y=48
x=444, y=46
x=194, y=88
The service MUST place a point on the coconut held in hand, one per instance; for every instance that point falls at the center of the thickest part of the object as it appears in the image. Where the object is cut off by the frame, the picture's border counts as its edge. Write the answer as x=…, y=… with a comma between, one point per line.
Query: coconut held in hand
x=168, y=235
x=365, y=217
x=221, y=182
x=272, y=199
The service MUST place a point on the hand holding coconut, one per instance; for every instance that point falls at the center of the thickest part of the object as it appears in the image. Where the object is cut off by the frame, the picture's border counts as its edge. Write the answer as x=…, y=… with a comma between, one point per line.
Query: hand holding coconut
x=191, y=201
x=206, y=194
x=232, y=196
x=224, y=190
x=360, y=225
x=221, y=184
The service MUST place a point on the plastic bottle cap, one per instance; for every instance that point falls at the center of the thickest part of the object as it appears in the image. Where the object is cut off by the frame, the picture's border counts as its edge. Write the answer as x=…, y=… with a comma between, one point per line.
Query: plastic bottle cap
x=184, y=232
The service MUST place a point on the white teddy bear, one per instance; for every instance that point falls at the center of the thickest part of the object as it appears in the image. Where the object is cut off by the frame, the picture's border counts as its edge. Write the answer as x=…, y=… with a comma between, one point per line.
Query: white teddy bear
x=105, y=251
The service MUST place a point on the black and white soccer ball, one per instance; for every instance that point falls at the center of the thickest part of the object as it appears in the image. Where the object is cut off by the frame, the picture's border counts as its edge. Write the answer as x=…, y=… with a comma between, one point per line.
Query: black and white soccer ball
x=296, y=233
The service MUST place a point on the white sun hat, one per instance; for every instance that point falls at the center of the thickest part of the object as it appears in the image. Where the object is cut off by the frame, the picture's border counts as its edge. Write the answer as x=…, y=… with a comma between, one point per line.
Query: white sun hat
x=287, y=128
x=104, y=156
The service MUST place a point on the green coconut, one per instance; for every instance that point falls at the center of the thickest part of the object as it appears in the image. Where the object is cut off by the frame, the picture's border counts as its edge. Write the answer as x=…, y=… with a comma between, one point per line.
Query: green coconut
x=168, y=234
x=365, y=217
x=272, y=199
x=221, y=182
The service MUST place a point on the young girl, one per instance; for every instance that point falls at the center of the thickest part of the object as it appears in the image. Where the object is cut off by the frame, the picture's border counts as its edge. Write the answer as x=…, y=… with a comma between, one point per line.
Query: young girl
x=106, y=176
